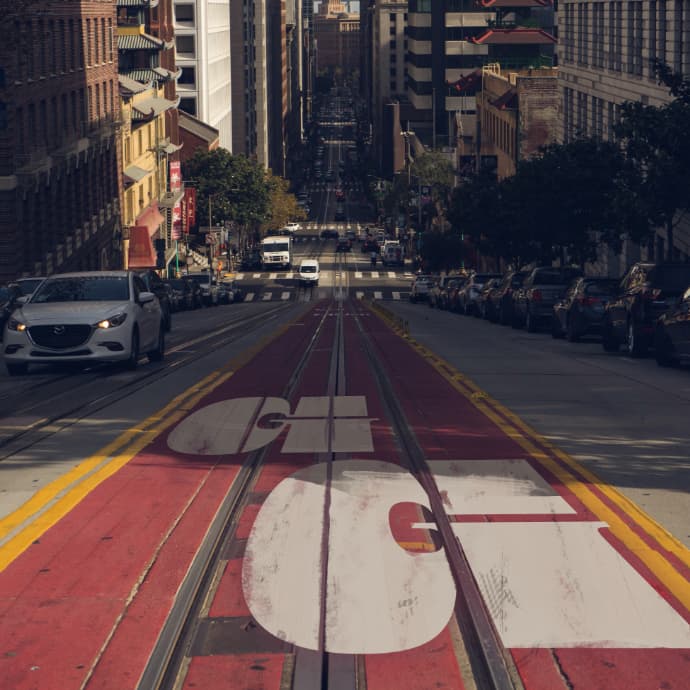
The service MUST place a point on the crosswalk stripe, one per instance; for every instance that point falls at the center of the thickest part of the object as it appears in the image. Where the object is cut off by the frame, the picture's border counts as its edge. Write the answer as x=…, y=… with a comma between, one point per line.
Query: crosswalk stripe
x=285, y=295
x=239, y=276
x=272, y=276
x=391, y=274
x=378, y=295
x=267, y=296
x=374, y=274
x=359, y=294
x=396, y=295
x=358, y=274
x=256, y=275
x=250, y=296
x=289, y=276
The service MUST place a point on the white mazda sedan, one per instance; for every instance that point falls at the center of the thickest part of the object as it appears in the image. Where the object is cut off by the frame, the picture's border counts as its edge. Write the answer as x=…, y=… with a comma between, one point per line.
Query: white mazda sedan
x=100, y=316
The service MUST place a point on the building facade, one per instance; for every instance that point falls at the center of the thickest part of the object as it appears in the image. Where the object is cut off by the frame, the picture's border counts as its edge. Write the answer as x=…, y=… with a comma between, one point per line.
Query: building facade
x=605, y=59
x=337, y=40
x=203, y=46
x=60, y=185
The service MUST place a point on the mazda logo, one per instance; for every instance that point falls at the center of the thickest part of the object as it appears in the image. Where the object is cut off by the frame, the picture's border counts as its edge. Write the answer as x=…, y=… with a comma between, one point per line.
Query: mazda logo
x=58, y=330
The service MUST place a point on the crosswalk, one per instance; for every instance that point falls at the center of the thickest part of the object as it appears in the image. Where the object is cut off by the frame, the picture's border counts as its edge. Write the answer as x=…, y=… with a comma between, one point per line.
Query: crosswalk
x=269, y=295
x=358, y=275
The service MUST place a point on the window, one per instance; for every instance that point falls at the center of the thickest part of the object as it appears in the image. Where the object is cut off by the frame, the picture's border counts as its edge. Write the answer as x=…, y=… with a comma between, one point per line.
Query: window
x=188, y=105
x=103, y=44
x=185, y=45
x=188, y=76
x=652, y=35
x=88, y=42
x=678, y=31
x=662, y=31
x=184, y=14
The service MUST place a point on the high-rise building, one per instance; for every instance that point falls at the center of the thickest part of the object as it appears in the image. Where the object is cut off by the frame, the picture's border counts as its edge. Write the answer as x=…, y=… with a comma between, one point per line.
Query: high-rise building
x=60, y=185
x=606, y=55
x=337, y=39
x=203, y=42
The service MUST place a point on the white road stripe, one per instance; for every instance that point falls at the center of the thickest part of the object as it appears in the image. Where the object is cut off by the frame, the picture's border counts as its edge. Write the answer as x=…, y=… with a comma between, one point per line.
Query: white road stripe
x=239, y=276
x=396, y=295
x=358, y=274
x=256, y=275
x=391, y=274
x=285, y=295
x=267, y=296
x=272, y=276
x=378, y=295
x=360, y=295
x=374, y=274
x=250, y=296
x=290, y=275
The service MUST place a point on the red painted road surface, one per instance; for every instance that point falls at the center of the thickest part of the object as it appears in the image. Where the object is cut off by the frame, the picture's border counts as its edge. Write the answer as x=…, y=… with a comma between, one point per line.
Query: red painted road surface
x=85, y=603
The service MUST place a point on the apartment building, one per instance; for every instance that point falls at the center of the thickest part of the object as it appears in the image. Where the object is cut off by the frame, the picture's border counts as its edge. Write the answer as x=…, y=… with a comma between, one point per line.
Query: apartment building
x=605, y=53
x=249, y=42
x=203, y=44
x=60, y=185
x=337, y=39
x=450, y=39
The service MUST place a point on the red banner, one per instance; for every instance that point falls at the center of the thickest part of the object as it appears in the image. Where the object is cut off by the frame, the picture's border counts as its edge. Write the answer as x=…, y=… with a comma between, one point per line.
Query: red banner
x=188, y=208
x=175, y=176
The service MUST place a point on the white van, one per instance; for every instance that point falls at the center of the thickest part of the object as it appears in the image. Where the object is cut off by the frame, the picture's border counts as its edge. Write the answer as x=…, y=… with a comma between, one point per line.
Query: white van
x=309, y=272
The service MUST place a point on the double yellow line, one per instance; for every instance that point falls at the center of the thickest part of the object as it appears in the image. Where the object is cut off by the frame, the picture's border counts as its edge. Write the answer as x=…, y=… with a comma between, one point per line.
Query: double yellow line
x=48, y=505
x=577, y=479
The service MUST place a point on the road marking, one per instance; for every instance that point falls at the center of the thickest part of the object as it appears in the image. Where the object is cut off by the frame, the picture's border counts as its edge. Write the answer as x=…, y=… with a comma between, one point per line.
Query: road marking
x=285, y=295
x=249, y=297
x=396, y=295
x=378, y=295
x=290, y=275
x=272, y=276
x=358, y=274
x=239, y=276
x=359, y=295
x=580, y=481
x=267, y=296
x=374, y=274
x=391, y=274
x=256, y=275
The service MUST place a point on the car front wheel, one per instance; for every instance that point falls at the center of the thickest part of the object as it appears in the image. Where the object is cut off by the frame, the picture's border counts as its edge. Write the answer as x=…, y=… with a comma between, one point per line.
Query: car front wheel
x=636, y=347
x=133, y=360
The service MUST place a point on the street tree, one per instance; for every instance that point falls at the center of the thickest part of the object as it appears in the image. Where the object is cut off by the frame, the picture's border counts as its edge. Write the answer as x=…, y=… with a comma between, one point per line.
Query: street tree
x=283, y=206
x=656, y=143
x=433, y=169
x=229, y=188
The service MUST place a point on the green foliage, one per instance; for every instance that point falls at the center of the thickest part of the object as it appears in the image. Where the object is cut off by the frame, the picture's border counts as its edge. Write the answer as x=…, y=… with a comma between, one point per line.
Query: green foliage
x=283, y=204
x=238, y=187
x=442, y=251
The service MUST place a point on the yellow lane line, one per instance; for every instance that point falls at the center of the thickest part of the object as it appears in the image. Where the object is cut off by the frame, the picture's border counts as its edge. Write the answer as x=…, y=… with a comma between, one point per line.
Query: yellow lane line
x=51, y=503
x=674, y=581
x=523, y=434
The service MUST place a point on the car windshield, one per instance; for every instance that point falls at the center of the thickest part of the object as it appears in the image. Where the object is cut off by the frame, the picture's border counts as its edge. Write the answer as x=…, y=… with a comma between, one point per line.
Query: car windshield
x=676, y=278
x=307, y=269
x=83, y=289
x=276, y=246
x=28, y=286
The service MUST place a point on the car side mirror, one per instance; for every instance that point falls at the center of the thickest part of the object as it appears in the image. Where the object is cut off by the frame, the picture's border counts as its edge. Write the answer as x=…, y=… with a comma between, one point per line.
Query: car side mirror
x=22, y=299
x=146, y=297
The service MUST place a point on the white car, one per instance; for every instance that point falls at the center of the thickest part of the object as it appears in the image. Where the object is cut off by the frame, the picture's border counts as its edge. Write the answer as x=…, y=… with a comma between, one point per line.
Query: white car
x=293, y=227
x=99, y=316
x=309, y=272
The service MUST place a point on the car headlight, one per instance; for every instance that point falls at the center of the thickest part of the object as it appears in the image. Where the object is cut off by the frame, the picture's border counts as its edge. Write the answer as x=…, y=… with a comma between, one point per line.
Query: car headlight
x=113, y=321
x=16, y=325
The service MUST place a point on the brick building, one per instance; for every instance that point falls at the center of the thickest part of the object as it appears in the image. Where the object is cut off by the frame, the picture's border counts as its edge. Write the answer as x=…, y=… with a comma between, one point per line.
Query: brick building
x=59, y=114
x=337, y=39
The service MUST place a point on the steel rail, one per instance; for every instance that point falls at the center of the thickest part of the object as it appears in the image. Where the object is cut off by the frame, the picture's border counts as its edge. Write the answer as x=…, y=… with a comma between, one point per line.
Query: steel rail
x=165, y=662
x=492, y=666
x=144, y=378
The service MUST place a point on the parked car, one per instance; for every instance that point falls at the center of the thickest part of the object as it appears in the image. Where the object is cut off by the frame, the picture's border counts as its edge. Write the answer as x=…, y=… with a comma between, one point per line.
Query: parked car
x=502, y=297
x=329, y=233
x=438, y=293
x=292, y=228
x=646, y=292
x=251, y=261
x=672, y=334
x=175, y=295
x=155, y=284
x=452, y=293
x=468, y=294
x=187, y=292
x=9, y=296
x=104, y=316
x=581, y=310
x=533, y=302
x=421, y=287
x=484, y=305
x=369, y=245
x=208, y=287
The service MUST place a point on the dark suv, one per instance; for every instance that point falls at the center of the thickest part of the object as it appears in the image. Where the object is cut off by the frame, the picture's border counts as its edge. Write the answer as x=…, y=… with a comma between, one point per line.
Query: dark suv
x=155, y=284
x=502, y=297
x=646, y=292
x=533, y=302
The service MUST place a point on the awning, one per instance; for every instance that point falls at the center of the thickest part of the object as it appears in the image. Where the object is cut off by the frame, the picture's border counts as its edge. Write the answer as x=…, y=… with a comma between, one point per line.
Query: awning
x=520, y=36
x=149, y=74
x=151, y=218
x=151, y=107
x=139, y=42
x=131, y=86
x=135, y=173
x=141, y=252
x=137, y=3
